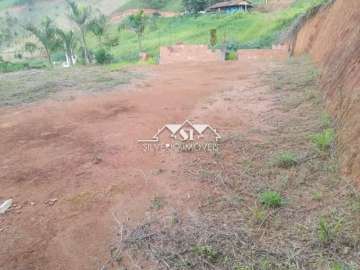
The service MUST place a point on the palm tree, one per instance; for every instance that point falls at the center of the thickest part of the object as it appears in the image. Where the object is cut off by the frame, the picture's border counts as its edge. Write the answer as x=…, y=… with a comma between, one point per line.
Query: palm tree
x=81, y=16
x=68, y=37
x=46, y=34
x=98, y=27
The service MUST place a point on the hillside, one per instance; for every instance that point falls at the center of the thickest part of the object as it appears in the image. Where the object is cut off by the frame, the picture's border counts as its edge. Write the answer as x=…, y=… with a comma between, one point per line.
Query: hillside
x=250, y=30
x=258, y=29
x=36, y=10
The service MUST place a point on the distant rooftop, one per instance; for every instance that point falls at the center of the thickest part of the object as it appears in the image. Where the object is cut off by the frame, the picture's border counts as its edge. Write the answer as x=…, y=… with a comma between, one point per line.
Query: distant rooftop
x=231, y=3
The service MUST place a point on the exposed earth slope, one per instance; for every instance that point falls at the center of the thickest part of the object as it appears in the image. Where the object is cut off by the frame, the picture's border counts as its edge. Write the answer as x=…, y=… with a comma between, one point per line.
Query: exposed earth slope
x=332, y=38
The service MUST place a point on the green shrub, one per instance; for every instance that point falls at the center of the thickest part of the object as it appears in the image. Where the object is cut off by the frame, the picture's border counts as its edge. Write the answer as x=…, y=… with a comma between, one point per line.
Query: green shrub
x=231, y=56
x=271, y=199
x=152, y=61
x=103, y=57
x=324, y=139
x=6, y=66
x=286, y=160
x=58, y=56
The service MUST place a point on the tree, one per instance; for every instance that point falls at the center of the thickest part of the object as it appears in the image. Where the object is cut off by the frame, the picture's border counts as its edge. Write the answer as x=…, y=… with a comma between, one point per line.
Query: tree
x=137, y=23
x=194, y=6
x=81, y=16
x=46, y=34
x=8, y=28
x=68, y=38
x=98, y=27
x=155, y=4
x=30, y=47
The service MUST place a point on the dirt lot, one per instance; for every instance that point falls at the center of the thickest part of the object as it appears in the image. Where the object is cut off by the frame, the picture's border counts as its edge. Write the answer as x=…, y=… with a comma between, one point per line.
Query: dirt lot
x=82, y=185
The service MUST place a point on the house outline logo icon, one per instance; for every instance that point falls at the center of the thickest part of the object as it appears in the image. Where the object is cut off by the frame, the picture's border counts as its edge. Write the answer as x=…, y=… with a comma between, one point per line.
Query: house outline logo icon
x=186, y=131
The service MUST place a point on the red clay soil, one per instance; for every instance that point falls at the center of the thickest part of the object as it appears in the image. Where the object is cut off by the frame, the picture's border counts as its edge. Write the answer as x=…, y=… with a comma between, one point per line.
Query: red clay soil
x=75, y=169
x=332, y=38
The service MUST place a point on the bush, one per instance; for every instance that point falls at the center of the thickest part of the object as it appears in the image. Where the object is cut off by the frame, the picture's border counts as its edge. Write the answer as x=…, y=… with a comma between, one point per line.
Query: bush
x=271, y=199
x=103, y=57
x=231, y=56
x=6, y=66
x=58, y=56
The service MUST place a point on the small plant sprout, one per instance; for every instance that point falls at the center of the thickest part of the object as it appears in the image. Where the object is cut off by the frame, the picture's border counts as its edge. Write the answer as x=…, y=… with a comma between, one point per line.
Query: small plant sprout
x=328, y=230
x=157, y=203
x=259, y=215
x=317, y=196
x=286, y=160
x=207, y=252
x=323, y=140
x=271, y=199
x=325, y=120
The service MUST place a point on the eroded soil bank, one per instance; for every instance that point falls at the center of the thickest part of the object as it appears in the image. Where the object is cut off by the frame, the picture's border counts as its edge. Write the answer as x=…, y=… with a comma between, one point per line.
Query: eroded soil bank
x=332, y=38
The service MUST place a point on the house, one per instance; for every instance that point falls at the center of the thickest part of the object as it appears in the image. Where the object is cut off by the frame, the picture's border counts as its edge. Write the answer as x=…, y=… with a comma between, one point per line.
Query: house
x=231, y=6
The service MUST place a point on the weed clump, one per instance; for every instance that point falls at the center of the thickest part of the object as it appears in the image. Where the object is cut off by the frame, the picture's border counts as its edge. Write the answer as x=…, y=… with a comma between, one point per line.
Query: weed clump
x=103, y=57
x=286, y=160
x=324, y=139
x=271, y=199
x=328, y=230
x=231, y=56
x=207, y=252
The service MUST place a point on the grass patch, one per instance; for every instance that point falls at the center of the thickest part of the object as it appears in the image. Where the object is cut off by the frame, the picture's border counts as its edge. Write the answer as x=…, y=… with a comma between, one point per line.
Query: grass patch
x=286, y=160
x=324, y=139
x=33, y=85
x=317, y=196
x=259, y=215
x=207, y=252
x=328, y=230
x=271, y=199
x=326, y=120
x=169, y=5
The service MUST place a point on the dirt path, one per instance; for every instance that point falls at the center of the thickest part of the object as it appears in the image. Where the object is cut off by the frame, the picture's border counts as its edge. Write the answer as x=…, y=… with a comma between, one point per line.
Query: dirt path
x=84, y=153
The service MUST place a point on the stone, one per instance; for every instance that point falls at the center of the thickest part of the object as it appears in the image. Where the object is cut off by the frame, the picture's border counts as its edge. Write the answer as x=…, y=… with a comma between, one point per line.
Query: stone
x=6, y=206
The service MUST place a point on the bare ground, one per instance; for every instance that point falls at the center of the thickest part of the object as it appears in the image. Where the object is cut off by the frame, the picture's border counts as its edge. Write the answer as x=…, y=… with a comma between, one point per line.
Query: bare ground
x=118, y=207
